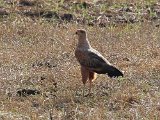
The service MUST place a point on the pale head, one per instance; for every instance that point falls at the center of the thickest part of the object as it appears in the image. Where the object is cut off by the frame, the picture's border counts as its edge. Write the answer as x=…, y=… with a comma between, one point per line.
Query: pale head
x=81, y=33
x=82, y=39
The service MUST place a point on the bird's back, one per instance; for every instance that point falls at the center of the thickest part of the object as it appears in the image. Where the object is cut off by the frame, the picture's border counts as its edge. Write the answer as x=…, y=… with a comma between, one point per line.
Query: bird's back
x=94, y=61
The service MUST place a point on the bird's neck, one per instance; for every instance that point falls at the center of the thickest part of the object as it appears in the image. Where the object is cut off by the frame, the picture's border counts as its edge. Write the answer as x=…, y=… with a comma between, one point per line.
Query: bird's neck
x=83, y=42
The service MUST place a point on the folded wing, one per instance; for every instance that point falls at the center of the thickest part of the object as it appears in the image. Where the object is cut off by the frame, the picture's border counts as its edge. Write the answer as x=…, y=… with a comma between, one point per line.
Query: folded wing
x=94, y=61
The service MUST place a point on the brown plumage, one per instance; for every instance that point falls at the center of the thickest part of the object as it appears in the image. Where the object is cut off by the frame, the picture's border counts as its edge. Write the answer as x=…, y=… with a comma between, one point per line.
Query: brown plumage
x=91, y=61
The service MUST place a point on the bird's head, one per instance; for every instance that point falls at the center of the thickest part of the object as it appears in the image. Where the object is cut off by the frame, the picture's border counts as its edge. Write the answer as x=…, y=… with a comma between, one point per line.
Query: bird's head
x=81, y=33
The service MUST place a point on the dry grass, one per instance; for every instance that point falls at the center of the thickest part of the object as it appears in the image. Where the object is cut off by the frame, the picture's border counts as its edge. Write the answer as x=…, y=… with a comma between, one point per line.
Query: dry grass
x=134, y=48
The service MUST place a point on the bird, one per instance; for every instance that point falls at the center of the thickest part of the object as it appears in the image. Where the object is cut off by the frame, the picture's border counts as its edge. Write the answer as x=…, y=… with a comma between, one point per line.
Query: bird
x=91, y=61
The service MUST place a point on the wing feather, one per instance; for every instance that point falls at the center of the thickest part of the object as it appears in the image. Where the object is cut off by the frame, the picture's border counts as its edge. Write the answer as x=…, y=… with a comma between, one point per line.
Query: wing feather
x=91, y=59
x=94, y=61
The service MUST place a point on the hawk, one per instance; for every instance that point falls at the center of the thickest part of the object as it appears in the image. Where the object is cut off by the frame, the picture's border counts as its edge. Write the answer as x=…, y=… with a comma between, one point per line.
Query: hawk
x=91, y=61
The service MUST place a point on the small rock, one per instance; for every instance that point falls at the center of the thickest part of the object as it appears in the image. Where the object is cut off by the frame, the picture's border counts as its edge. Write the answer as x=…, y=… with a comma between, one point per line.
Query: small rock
x=27, y=92
x=3, y=11
x=126, y=59
x=42, y=78
x=55, y=84
x=157, y=25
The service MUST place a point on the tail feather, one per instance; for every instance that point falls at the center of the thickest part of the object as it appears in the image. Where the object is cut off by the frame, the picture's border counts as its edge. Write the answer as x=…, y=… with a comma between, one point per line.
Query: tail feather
x=114, y=72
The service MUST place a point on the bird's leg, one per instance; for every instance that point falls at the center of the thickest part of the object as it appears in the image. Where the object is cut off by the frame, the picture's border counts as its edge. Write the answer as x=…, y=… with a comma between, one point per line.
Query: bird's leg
x=90, y=86
x=92, y=77
x=83, y=90
x=85, y=75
